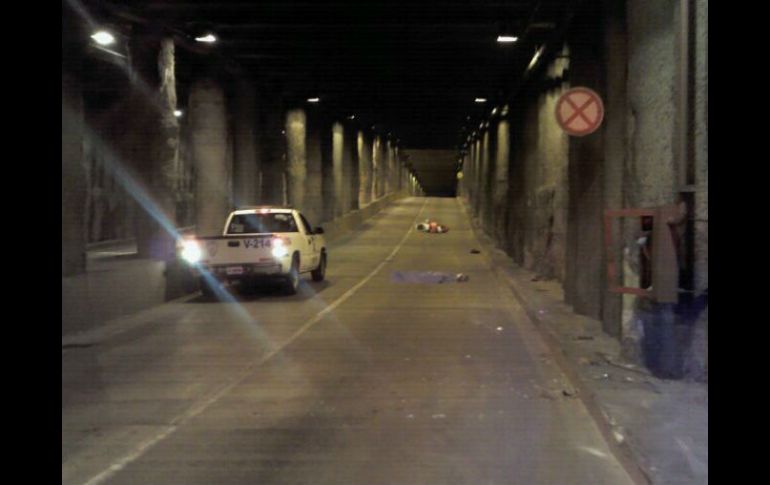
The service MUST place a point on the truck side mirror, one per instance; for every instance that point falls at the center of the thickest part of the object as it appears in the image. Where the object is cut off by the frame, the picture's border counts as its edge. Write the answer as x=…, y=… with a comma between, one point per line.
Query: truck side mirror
x=319, y=230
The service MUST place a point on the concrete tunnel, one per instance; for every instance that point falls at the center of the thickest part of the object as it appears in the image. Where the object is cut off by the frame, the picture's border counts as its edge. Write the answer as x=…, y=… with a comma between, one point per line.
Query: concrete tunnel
x=163, y=135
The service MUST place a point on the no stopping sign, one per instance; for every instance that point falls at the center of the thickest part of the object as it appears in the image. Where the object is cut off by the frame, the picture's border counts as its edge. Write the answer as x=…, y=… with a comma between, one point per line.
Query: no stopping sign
x=579, y=111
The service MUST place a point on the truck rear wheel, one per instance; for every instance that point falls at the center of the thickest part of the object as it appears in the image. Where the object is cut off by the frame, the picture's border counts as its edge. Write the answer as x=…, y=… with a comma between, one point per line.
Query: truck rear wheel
x=319, y=273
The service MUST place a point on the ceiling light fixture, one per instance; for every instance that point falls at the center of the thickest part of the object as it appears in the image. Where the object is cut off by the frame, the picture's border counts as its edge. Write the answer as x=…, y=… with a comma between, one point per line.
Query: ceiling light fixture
x=535, y=58
x=480, y=100
x=178, y=113
x=507, y=39
x=208, y=38
x=313, y=100
x=103, y=37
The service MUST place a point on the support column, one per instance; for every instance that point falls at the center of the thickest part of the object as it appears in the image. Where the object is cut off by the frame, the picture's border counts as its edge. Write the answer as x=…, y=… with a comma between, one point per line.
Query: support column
x=208, y=123
x=350, y=177
x=364, y=149
x=487, y=182
x=390, y=167
x=328, y=194
x=73, y=176
x=338, y=144
x=616, y=58
x=500, y=187
x=272, y=149
x=378, y=168
x=155, y=156
x=480, y=177
x=246, y=166
x=318, y=155
x=297, y=157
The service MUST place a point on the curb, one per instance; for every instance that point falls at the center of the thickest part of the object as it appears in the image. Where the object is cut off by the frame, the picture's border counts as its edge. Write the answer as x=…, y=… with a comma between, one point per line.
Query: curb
x=622, y=451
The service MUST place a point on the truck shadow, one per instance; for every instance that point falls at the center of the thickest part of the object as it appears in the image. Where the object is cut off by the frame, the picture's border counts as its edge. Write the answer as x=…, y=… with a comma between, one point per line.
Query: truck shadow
x=267, y=291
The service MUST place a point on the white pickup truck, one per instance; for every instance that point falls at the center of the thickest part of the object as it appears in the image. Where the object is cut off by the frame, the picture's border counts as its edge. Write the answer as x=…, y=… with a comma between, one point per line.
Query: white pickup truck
x=258, y=243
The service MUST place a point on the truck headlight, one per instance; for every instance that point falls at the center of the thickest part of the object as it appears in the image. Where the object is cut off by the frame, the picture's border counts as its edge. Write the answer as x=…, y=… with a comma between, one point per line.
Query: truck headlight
x=191, y=251
x=279, y=248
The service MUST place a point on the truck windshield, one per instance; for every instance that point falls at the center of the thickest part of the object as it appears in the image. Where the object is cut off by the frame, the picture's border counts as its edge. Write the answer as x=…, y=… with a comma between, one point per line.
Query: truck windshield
x=261, y=223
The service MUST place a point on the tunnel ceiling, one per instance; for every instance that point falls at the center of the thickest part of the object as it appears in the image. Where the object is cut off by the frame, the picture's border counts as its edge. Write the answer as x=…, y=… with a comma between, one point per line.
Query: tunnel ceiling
x=412, y=68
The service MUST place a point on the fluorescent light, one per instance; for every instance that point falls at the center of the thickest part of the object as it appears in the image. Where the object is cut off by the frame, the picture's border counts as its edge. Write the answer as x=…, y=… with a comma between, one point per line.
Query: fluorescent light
x=208, y=38
x=480, y=100
x=506, y=38
x=313, y=100
x=103, y=37
x=537, y=55
x=178, y=113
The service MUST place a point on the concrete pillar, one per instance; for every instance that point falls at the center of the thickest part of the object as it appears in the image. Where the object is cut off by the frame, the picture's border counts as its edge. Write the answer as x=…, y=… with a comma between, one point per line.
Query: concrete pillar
x=318, y=155
x=166, y=174
x=584, y=279
x=338, y=151
x=650, y=171
x=329, y=195
x=616, y=58
x=246, y=166
x=477, y=184
x=296, y=153
x=490, y=142
x=155, y=154
x=701, y=127
x=350, y=177
x=208, y=125
x=272, y=149
x=390, y=182
x=485, y=176
x=500, y=187
x=73, y=176
x=365, y=169
x=376, y=167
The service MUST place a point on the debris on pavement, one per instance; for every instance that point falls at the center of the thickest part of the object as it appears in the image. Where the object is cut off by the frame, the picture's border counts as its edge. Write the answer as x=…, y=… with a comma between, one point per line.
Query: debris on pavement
x=475, y=251
x=430, y=277
x=630, y=367
x=432, y=227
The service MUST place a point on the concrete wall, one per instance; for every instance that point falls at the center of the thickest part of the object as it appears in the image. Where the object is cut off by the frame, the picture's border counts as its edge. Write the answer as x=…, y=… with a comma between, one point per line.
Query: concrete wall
x=542, y=194
x=520, y=189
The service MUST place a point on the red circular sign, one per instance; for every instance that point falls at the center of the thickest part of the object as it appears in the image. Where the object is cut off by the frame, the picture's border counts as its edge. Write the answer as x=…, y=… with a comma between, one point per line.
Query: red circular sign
x=579, y=111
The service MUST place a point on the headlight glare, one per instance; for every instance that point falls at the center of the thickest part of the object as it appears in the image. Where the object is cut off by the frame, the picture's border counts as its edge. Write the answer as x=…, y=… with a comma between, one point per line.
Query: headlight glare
x=279, y=248
x=191, y=251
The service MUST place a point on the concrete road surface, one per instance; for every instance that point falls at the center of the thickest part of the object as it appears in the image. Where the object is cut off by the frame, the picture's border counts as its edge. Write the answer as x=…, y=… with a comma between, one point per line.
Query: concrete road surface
x=365, y=378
